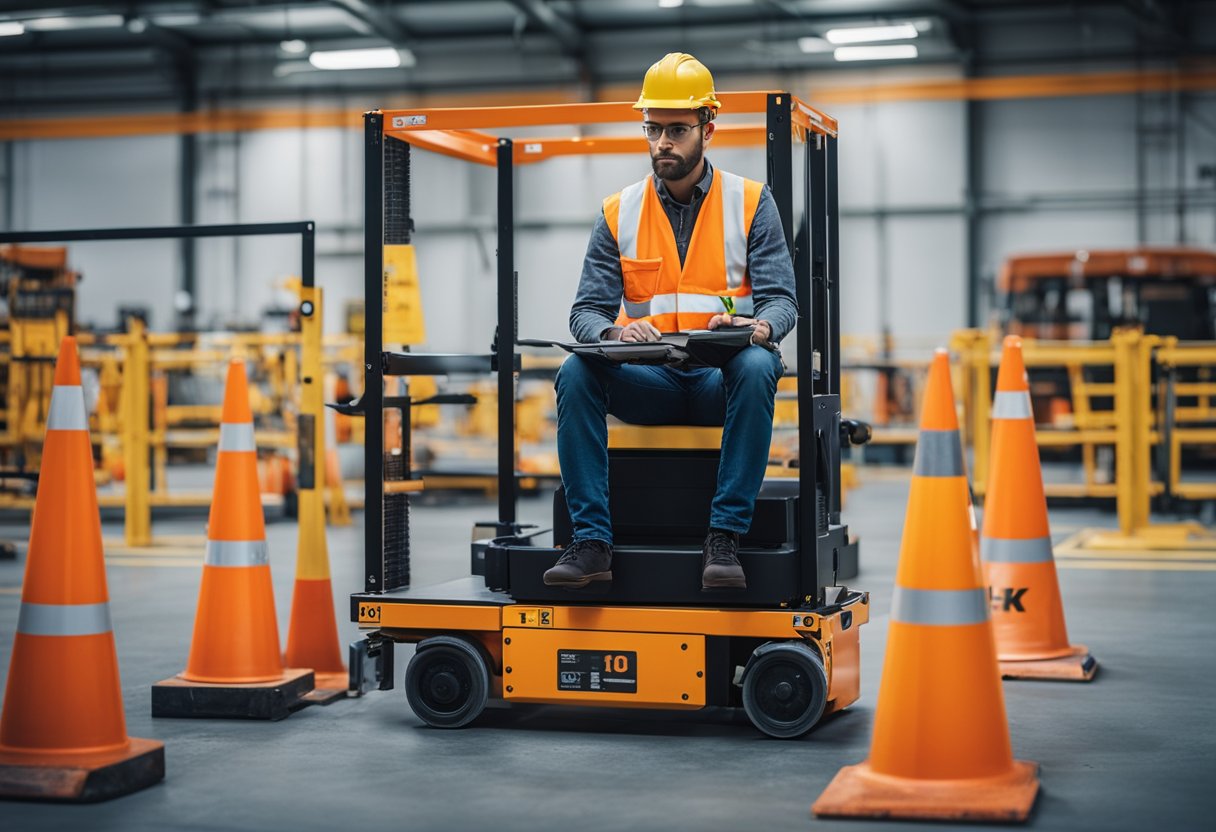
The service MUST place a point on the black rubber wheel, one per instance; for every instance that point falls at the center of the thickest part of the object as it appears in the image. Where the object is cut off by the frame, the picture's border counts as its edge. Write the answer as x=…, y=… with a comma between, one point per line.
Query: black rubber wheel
x=785, y=689
x=447, y=682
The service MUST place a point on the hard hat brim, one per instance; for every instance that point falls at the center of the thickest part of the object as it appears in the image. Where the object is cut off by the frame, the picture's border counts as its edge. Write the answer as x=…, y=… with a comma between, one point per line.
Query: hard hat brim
x=675, y=104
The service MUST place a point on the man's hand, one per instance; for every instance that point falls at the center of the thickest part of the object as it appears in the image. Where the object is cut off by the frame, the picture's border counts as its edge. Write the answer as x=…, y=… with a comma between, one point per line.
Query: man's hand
x=761, y=331
x=638, y=331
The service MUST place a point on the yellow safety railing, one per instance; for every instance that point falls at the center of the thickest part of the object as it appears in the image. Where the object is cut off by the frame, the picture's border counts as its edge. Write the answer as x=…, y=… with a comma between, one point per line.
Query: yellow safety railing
x=1126, y=411
x=1188, y=406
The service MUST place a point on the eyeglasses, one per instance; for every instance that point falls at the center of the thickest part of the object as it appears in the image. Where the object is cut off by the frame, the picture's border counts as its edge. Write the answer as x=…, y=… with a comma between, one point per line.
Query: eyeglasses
x=678, y=131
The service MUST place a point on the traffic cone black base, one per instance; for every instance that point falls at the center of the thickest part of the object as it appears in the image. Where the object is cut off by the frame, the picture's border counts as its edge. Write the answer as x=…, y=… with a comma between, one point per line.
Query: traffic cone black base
x=177, y=697
x=83, y=778
x=1079, y=666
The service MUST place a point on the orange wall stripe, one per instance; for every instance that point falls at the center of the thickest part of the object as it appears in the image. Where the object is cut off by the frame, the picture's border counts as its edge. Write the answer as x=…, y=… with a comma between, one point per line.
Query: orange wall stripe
x=225, y=121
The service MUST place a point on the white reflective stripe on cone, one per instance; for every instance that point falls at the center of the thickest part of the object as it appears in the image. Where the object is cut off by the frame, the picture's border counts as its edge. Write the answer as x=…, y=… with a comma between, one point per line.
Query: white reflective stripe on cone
x=1009, y=550
x=67, y=408
x=734, y=239
x=64, y=619
x=1011, y=404
x=237, y=437
x=939, y=453
x=237, y=553
x=628, y=216
x=688, y=302
x=942, y=607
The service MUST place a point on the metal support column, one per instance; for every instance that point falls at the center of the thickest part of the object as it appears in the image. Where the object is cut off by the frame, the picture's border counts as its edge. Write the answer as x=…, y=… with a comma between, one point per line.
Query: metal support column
x=373, y=373
x=972, y=187
x=187, y=189
x=508, y=326
x=831, y=339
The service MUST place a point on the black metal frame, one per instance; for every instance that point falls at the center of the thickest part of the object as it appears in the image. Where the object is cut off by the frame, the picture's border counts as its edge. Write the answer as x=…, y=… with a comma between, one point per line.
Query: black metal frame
x=306, y=230
x=818, y=334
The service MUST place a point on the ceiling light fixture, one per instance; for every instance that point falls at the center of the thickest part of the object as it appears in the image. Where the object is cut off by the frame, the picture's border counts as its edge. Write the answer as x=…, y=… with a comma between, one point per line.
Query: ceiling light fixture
x=381, y=58
x=294, y=46
x=670, y=4
x=182, y=19
x=871, y=34
x=875, y=53
x=11, y=28
x=813, y=45
x=56, y=24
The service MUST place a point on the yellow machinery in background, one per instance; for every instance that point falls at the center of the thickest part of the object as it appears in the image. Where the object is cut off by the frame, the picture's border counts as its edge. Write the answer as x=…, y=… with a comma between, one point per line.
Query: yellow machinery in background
x=40, y=291
x=1143, y=413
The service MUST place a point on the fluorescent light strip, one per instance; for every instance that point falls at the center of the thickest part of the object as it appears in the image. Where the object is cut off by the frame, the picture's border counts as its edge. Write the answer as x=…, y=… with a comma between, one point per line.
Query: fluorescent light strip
x=870, y=34
x=876, y=53
x=813, y=45
x=173, y=19
x=10, y=29
x=59, y=24
x=383, y=58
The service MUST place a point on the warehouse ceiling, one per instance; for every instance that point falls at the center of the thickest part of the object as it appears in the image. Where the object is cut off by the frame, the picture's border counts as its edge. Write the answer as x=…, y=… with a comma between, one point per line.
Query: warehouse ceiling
x=60, y=55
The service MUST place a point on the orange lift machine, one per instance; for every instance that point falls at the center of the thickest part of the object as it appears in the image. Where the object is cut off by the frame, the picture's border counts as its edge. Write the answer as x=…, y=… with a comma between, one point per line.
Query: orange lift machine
x=786, y=649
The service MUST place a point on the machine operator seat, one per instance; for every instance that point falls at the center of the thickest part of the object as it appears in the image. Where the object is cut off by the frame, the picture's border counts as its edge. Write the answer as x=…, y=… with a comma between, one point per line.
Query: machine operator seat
x=661, y=482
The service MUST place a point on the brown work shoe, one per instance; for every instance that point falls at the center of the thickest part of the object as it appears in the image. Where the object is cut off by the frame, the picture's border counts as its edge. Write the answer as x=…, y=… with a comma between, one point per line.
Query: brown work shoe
x=583, y=561
x=720, y=567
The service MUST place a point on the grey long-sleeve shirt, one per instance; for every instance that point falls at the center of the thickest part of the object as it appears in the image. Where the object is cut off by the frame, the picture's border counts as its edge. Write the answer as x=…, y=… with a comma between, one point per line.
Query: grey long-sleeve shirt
x=768, y=266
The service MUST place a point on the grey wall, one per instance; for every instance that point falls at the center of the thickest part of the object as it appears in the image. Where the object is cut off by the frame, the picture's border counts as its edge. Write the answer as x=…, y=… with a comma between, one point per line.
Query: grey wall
x=1055, y=173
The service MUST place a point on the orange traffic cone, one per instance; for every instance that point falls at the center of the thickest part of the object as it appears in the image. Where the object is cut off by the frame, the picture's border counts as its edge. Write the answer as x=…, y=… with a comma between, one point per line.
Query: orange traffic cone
x=235, y=667
x=941, y=747
x=63, y=734
x=1015, y=545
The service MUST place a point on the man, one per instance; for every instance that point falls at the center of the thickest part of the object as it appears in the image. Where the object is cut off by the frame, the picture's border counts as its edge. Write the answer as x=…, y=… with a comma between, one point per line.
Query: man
x=690, y=247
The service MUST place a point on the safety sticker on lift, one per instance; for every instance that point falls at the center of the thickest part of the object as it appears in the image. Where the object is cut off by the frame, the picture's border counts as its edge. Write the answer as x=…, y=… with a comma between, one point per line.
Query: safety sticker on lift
x=597, y=671
x=528, y=616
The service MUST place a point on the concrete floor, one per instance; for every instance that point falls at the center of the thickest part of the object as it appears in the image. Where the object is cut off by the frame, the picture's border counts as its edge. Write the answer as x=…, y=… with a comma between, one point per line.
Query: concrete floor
x=1135, y=749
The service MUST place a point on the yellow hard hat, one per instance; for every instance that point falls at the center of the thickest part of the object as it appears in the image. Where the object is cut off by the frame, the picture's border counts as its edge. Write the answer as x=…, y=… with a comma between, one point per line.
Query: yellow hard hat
x=678, y=82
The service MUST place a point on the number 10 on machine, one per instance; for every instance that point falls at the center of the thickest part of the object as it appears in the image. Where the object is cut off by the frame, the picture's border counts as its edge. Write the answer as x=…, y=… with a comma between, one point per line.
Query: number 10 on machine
x=594, y=670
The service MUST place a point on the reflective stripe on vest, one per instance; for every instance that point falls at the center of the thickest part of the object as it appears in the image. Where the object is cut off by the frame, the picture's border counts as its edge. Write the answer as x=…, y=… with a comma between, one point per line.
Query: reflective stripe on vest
x=64, y=619
x=939, y=453
x=734, y=237
x=237, y=553
x=685, y=303
x=1011, y=404
x=237, y=437
x=67, y=408
x=939, y=607
x=1009, y=550
x=630, y=216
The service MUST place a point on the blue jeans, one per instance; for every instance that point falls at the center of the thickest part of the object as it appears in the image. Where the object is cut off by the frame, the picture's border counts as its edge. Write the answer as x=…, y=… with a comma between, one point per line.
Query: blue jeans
x=739, y=397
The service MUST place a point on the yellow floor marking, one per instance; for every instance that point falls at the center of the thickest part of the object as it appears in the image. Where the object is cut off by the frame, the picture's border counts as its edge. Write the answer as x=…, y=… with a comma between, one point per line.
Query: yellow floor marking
x=1142, y=554
x=155, y=552
x=180, y=562
x=1139, y=565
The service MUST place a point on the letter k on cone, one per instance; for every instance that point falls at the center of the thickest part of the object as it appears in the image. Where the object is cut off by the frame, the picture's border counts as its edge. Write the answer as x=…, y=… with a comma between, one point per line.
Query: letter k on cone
x=941, y=746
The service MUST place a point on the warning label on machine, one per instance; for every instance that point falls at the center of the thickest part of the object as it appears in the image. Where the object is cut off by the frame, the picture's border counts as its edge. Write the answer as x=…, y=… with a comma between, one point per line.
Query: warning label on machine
x=597, y=671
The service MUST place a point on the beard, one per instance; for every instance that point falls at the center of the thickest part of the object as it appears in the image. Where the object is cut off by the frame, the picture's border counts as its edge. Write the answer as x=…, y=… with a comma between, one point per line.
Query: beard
x=680, y=166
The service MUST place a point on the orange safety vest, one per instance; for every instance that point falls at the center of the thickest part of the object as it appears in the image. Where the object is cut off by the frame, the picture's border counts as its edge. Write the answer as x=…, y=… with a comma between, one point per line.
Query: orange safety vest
x=656, y=287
